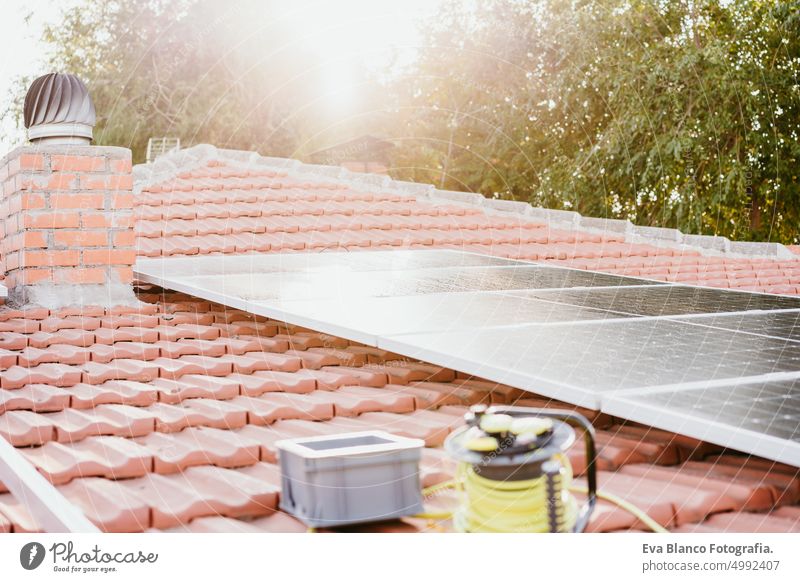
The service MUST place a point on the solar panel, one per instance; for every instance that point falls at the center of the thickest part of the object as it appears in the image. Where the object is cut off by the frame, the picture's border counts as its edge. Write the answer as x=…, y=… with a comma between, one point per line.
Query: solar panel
x=666, y=300
x=592, y=339
x=344, y=282
x=599, y=357
x=761, y=417
x=322, y=261
x=781, y=324
x=436, y=312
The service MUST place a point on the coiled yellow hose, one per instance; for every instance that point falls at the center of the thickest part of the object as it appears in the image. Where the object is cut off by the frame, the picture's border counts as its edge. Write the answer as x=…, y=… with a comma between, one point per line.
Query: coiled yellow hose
x=519, y=506
x=627, y=506
x=513, y=506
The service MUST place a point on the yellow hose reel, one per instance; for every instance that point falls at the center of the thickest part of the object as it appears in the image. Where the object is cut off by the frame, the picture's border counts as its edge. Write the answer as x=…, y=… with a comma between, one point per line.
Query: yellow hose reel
x=513, y=472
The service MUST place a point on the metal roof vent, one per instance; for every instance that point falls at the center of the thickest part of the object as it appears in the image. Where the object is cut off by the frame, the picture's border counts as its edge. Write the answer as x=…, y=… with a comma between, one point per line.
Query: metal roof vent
x=59, y=110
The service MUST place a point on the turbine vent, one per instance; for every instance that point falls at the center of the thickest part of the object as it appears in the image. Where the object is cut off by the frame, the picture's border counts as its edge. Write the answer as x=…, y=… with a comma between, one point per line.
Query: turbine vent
x=59, y=110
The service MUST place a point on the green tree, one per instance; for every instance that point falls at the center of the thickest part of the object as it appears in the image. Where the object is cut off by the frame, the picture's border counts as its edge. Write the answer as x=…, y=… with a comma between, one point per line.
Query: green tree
x=231, y=74
x=681, y=114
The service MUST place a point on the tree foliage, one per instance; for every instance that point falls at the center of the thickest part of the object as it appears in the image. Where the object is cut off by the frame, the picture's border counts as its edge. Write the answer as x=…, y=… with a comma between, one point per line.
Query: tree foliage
x=669, y=113
x=678, y=113
x=201, y=70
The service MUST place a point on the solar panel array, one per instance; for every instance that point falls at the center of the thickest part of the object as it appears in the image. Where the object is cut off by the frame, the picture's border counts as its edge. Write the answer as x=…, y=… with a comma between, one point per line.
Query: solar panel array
x=721, y=366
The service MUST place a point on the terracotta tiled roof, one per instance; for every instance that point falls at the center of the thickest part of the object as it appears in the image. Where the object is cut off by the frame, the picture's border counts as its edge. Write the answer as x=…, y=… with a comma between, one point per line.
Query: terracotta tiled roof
x=164, y=416
x=239, y=205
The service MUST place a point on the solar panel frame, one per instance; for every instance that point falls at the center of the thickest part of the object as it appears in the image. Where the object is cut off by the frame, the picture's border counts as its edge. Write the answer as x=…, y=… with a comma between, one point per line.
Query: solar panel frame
x=671, y=408
x=439, y=312
x=675, y=300
x=328, y=261
x=321, y=285
x=784, y=324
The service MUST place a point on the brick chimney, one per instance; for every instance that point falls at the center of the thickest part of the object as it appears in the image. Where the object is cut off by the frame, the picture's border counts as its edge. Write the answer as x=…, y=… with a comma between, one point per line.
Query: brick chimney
x=66, y=216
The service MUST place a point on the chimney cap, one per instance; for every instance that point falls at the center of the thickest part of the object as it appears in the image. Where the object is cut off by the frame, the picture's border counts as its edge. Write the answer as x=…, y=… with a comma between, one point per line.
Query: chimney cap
x=59, y=110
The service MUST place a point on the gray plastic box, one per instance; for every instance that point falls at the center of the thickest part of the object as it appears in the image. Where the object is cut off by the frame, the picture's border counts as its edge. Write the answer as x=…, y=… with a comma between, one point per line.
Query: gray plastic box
x=350, y=478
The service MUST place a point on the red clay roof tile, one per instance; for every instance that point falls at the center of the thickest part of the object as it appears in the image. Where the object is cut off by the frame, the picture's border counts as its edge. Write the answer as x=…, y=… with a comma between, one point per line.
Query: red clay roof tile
x=744, y=522
x=15, y=517
x=36, y=398
x=103, y=456
x=88, y=396
x=165, y=415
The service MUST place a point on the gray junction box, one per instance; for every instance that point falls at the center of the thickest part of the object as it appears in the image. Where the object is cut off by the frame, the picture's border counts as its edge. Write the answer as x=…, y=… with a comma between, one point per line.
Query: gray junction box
x=350, y=478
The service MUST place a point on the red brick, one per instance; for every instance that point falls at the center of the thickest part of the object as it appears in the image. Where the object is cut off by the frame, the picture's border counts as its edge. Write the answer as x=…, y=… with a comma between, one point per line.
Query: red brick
x=123, y=219
x=24, y=182
x=12, y=225
x=114, y=182
x=33, y=240
x=13, y=205
x=96, y=220
x=70, y=201
x=59, y=181
x=122, y=201
x=92, y=183
x=121, y=166
x=31, y=161
x=125, y=238
x=61, y=163
x=124, y=274
x=121, y=182
x=109, y=257
x=26, y=162
x=52, y=220
x=30, y=201
x=81, y=238
x=107, y=220
x=12, y=261
x=33, y=276
x=92, y=275
x=50, y=258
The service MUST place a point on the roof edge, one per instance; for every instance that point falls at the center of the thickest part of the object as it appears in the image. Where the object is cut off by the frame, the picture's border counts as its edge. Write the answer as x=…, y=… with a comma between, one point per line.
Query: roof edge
x=168, y=166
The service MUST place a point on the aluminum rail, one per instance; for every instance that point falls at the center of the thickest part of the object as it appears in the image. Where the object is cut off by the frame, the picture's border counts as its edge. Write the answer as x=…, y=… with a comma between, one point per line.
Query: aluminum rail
x=53, y=512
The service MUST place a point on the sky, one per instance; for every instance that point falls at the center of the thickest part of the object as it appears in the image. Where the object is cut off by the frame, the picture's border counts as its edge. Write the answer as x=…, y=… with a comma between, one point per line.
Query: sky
x=20, y=43
x=349, y=25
